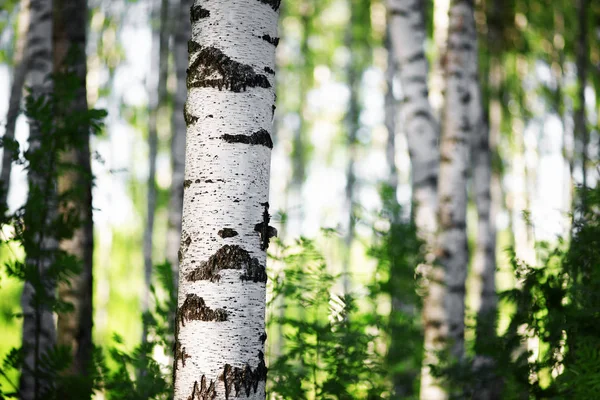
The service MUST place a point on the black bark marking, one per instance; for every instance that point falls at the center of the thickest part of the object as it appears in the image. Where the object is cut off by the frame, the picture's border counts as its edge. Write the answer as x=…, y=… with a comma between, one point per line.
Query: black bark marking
x=274, y=4
x=273, y=40
x=197, y=13
x=269, y=71
x=266, y=232
x=213, y=68
x=227, y=233
x=260, y=137
x=185, y=243
x=263, y=337
x=245, y=378
x=195, y=309
x=180, y=355
x=205, y=392
x=273, y=108
x=229, y=257
x=187, y=183
x=188, y=117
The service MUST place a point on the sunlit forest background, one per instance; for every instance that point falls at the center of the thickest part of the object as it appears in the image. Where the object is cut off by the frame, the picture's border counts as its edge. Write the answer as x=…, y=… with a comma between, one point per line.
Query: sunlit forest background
x=340, y=190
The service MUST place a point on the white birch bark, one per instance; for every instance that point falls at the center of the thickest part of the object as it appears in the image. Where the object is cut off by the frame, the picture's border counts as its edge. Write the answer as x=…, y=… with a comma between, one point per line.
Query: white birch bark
x=16, y=94
x=181, y=36
x=440, y=38
x=39, y=332
x=391, y=110
x=225, y=231
x=457, y=132
x=407, y=31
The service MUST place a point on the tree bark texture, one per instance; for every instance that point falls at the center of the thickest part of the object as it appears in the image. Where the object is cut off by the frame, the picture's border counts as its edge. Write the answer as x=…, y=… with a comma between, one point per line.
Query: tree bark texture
x=458, y=129
x=75, y=328
x=183, y=31
x=225, y=228
x=39, y=332
x=407, y=32
x=16, y=94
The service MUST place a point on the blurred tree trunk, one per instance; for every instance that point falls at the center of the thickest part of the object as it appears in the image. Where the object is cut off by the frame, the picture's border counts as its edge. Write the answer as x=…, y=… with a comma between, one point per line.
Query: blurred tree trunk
x=391, y=109
x=488, y=195
x=580, y=119
x=351, y=122
x=440, y=38
x=407, y=31
x=39, y=332
x=182, y=33
x=458, y=130
x=75, y=328
x=16, y=94
x=225, y=228
x=158, y=95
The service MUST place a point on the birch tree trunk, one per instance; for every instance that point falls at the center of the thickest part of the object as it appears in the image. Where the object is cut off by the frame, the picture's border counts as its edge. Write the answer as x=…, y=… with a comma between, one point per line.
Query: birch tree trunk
x=391, y=110
x=14, y=103
x=407, y=32
x=39, y=332
x=182, y=33
x=225, y=229
x=487, y=193
x=157, y=100
x=581, y=130
x=440, y=39
x=458, y=130
x=75, y=328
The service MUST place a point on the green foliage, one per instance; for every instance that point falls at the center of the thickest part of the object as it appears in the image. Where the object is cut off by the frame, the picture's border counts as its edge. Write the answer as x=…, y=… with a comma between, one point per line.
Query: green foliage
x=47, y=214
x=398, y=252
x=556, y=305
x=336, y=347
x=327, y=350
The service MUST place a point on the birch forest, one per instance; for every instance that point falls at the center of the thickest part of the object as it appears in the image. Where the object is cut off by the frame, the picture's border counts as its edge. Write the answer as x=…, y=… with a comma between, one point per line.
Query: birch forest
x=299, y=199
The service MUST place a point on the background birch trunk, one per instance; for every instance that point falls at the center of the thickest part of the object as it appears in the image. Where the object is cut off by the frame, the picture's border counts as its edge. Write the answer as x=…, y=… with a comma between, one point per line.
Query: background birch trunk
x=581, y=129
x=225, y=229
x=458, y=130
x=158, y=97
x=39, y=332
x=75, y=328
x=16, y=94
x=182, y=33
x=407, y=32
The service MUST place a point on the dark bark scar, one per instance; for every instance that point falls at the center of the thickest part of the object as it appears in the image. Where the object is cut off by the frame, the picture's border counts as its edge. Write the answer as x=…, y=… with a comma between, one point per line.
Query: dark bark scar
x=266, y=232
x=244, y=379
x=260, y=137
x=195, y=309
x=229, y=257
x=213, y=68
x=205, y=391
x=227, y=233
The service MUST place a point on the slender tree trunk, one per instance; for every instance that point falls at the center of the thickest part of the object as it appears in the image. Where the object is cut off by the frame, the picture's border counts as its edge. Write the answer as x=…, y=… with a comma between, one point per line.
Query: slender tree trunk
x=14, y=103
x=75, y=328
x=39, y=332
x=407, y=32
x=391, y=109
x=181, y=36
x=352, y=118
x=440, y=38
x=581, y=130
x=458, y=130
x=225, y=229
x=484, y=262
x=157, y=100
